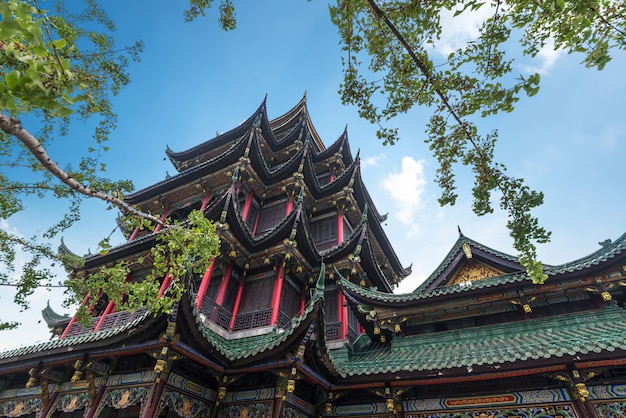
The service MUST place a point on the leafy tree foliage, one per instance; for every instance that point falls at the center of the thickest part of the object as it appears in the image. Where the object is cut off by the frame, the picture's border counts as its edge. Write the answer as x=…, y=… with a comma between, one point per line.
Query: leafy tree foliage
x=392, y=64
x=398, y=40
x=57, y=67
x=60, y=66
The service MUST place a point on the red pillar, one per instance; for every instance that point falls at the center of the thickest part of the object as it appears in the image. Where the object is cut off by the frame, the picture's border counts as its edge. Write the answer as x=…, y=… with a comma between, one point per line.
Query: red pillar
x=110, y=307
x=242, y=282
x=91, y=412
x=52, y=399
x=134, y=234
x=277, y=406
x=278, y=288
x=302, y=298
x=342, y=309
x=221, y=292
x=339, y=227
x=163, y=216
x=73, y=320
x=204, y=284
x=166, y=283
x=256, y=222
x=205, y=202
x=246, y=206
x=154, y=399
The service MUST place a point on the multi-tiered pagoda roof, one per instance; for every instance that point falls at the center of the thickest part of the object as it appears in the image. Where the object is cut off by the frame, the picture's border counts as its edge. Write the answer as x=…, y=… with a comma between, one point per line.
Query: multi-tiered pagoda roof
x=296, y=317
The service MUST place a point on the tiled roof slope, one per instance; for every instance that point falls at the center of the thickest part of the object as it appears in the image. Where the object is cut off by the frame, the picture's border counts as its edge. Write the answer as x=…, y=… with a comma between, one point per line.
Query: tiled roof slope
x=52, y=318
x=567, y=335
x=376, y=295
x=76, y=341
x=248, y=347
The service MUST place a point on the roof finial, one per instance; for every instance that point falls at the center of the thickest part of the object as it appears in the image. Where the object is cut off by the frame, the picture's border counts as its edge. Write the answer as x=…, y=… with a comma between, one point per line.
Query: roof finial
x=460, y=233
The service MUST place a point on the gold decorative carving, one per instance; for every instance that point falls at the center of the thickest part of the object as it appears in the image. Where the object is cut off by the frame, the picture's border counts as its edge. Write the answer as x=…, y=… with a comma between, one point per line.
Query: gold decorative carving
x=124, y=400
x=473, y=272
x=467, y=250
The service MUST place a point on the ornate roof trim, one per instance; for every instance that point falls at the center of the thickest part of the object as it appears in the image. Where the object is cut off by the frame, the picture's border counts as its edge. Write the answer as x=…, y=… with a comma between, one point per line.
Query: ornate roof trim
x=509, y=262
x=248, y=347
x=504, y=344
x=76, y=343
x=456, y=256
x=54, y=319
x=223, y=160
x=178, y=157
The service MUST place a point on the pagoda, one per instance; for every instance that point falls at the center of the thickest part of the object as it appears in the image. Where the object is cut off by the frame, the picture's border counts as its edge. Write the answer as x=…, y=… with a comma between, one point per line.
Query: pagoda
x=296, y=316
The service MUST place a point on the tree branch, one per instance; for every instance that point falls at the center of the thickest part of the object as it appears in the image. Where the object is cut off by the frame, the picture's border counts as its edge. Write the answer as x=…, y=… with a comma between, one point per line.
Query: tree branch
x=14, y=128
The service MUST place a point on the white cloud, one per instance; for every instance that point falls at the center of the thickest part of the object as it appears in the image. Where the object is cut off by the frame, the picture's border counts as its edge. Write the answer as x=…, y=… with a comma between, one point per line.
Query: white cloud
x=610, y=139
x=457, y=31
x=544, y=60
x=33, y=328
x=372, y=161
x=406, y=189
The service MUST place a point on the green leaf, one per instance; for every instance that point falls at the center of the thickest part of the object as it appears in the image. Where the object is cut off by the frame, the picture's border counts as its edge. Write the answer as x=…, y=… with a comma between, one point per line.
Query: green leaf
x=12, y=79
x=59, y=43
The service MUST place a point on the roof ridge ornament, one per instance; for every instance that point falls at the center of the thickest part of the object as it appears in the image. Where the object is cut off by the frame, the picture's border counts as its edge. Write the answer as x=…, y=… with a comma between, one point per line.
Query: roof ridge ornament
x=319, y=285
x=467, y=250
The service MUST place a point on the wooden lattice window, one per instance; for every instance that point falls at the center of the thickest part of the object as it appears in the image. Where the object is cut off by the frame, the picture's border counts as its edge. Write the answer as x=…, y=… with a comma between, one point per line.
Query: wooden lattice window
x=271, y=214
x=324, y=230
x=257, y=294
x=323, y=178
x=330, y=306
x=290, y=298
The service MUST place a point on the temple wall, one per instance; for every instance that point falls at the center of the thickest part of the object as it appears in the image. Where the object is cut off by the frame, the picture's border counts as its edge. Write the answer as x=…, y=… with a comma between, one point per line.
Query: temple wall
x=248, y=403
x=21, y=402
x=130, y=394
x=524, y=404
x=608, y=400
x=374, y=409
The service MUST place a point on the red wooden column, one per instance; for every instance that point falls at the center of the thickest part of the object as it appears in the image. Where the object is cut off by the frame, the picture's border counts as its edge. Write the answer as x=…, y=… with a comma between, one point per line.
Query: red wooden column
x=91, y=412
x=246, y=206
x=154, y=398
x=111, y=306
x=44, y=412
x=163, y=216
x=289, y=207
x=339, y=227
x=242, y=283
x=221, y=292
x=167, y=280
x=205, y=202
x=73, y=320
x=134, y=234
x=204, y=284
x=342, y=308
x=109, y=309
x=302, y=298
x=256, y=222
x=278, y=288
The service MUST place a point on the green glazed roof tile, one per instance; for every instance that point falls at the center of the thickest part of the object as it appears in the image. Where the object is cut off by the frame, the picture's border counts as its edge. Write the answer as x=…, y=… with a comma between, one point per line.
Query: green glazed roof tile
x=543, y=338
x=234, y=349
x=77, y=340
x=605, y=253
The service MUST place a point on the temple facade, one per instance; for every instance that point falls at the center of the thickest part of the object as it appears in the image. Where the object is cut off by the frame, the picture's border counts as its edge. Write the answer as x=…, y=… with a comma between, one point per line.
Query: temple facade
x=296, y=317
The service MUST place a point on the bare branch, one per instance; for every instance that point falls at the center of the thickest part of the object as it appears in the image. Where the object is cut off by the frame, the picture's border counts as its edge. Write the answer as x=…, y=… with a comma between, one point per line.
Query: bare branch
x=14, y=128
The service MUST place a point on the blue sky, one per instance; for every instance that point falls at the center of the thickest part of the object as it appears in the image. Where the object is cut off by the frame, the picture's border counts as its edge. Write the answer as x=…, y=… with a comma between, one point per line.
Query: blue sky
x=195, y=80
